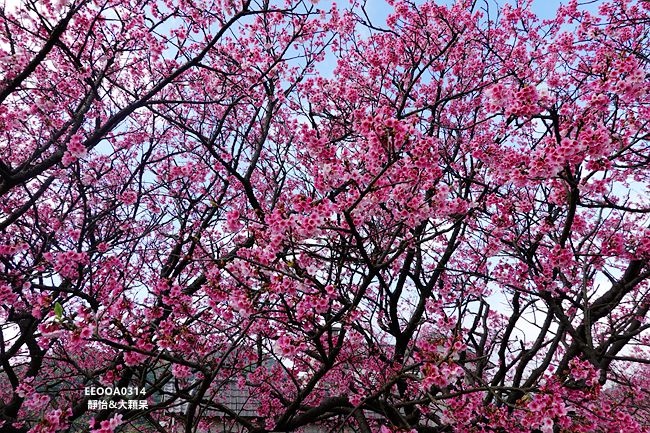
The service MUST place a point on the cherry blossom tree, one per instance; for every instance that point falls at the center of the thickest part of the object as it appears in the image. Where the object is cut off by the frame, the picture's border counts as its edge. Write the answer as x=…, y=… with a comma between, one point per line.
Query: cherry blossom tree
x=436, y=223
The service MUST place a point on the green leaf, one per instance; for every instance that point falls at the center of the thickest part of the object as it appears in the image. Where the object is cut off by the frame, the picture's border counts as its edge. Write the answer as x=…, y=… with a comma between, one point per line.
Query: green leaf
x=58, y=310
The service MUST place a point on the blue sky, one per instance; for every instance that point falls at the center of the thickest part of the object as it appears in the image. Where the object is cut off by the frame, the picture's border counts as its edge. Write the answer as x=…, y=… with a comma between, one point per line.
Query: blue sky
x=546, y=8
x=378, y=9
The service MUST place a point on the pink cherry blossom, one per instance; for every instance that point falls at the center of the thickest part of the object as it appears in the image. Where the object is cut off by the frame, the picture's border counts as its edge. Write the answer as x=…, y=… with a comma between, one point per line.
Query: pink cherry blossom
x=292, y=215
